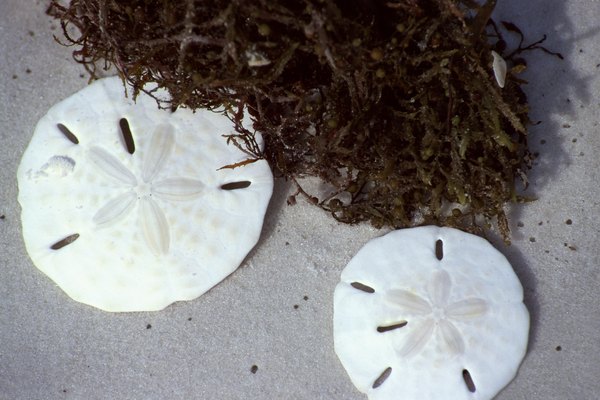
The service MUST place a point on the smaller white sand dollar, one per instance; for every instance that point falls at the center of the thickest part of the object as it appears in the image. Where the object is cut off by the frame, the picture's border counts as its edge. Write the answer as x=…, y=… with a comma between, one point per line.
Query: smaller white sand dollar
x=126, y=206
x=430, y=313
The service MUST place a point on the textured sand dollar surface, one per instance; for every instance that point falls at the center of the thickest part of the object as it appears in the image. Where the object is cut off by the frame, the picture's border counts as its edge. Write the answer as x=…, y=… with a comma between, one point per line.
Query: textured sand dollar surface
x=125, y=206
x=430, y=313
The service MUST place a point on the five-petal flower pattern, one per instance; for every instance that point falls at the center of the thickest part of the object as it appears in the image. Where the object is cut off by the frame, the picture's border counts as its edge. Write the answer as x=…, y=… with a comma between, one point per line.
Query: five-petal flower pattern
x=141, y=190
x=438, y=317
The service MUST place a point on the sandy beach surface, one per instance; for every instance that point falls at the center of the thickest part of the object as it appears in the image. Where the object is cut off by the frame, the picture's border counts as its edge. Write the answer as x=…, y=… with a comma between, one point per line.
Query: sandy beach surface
x=265, y=332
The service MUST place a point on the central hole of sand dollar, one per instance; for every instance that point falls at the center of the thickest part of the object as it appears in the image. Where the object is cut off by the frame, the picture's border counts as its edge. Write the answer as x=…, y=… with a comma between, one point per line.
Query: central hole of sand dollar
x=438, y=314
x=143, y=189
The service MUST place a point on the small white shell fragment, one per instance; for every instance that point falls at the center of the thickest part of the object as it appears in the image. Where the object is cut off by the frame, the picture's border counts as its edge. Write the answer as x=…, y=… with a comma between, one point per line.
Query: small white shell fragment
x=499, y=67
x=430, y=313
x=135, y=222
x=255, y=59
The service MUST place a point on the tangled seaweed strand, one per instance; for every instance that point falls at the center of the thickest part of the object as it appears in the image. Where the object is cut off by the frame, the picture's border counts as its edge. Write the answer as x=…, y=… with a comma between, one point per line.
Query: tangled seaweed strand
x=392, y=104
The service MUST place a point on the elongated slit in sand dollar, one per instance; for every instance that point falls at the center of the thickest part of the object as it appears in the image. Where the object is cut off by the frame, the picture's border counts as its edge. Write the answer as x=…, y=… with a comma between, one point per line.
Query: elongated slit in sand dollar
x=127, y=136
x=127, y=207
x=430, y=313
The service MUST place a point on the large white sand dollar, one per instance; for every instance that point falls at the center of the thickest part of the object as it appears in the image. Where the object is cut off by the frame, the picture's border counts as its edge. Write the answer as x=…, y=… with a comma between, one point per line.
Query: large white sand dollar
x=134, y=222
x=430, y=313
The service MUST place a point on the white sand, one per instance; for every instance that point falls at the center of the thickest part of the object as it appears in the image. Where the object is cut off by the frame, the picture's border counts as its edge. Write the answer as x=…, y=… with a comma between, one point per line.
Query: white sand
x=54, y=348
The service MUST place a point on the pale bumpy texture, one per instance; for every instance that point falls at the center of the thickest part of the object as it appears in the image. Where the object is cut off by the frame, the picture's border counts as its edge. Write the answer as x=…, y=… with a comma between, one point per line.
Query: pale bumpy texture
x=430, y=313
x=124, y=205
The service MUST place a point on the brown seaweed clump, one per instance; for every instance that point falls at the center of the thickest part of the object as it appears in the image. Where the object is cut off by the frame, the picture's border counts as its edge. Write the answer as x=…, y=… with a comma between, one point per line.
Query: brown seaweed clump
x=393, y=104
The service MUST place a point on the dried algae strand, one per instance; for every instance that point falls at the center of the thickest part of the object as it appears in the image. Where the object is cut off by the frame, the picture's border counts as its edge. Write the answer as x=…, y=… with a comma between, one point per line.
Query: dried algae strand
x=393, y=104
